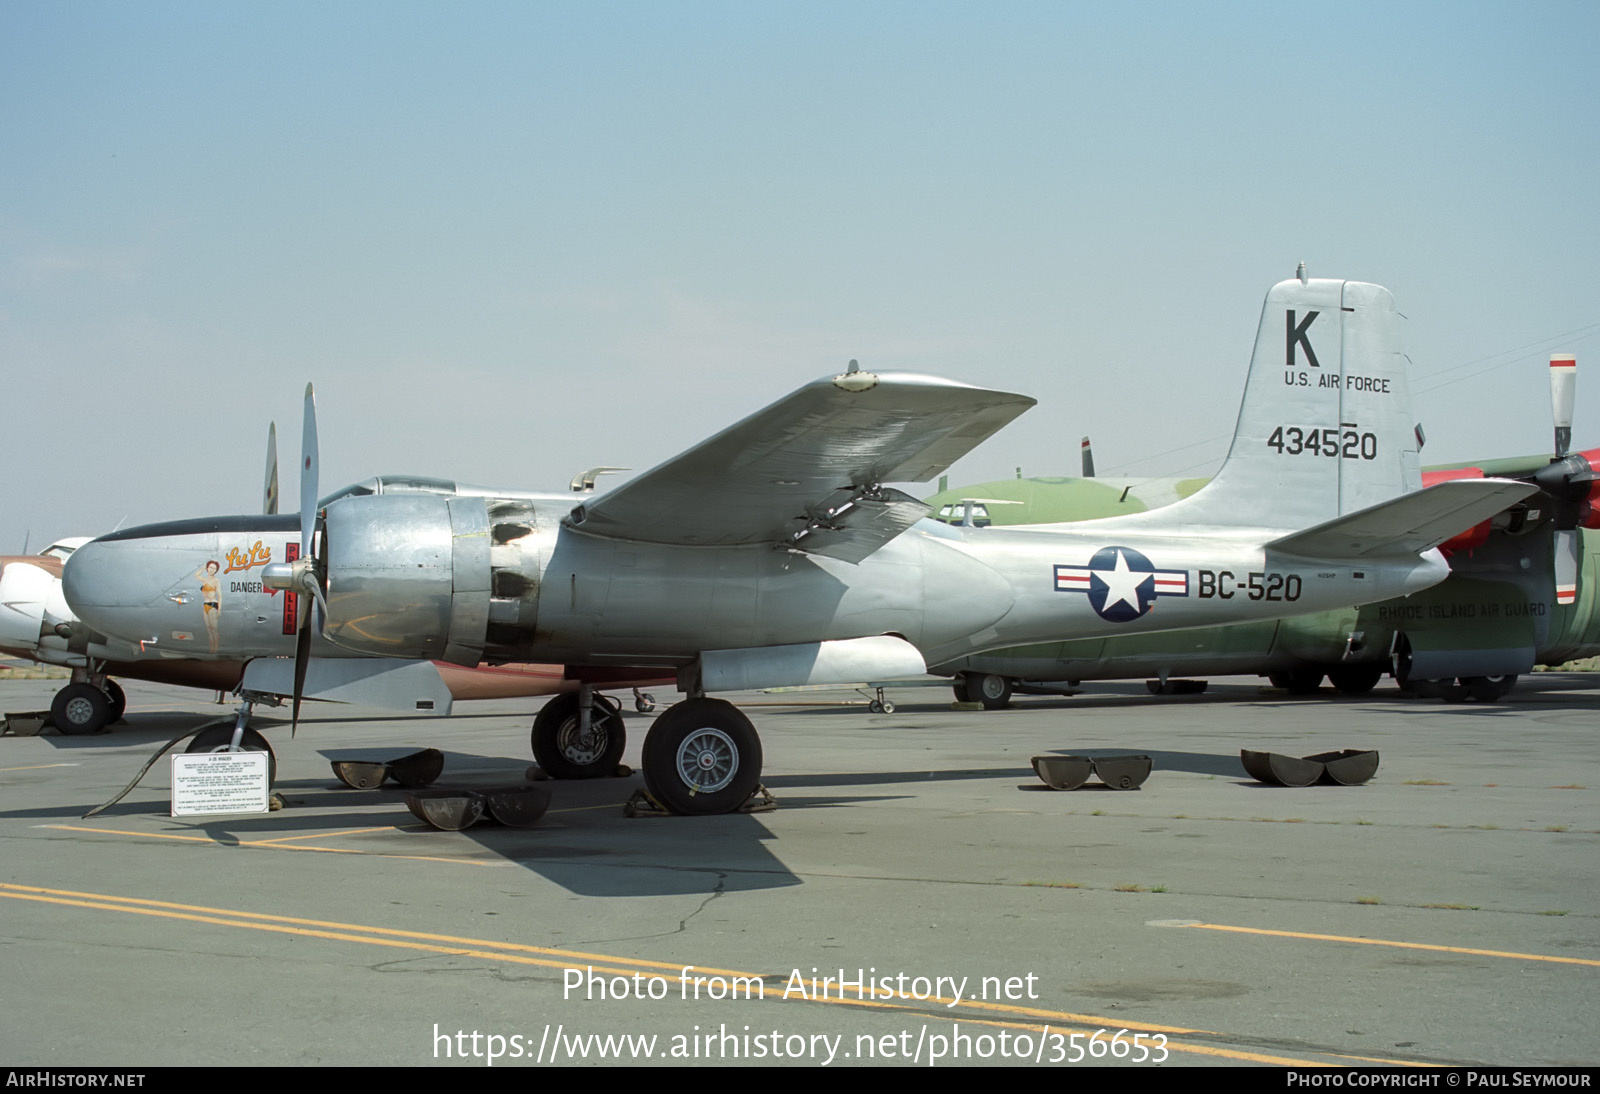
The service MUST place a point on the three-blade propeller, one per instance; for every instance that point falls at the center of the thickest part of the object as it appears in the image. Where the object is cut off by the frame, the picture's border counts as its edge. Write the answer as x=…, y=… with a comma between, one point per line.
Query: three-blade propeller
x=1569, y=480
x=304, y=575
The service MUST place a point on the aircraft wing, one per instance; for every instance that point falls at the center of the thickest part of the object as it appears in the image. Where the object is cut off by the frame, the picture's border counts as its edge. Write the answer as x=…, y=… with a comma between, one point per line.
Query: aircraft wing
x=808, y=470
x=1408, y=524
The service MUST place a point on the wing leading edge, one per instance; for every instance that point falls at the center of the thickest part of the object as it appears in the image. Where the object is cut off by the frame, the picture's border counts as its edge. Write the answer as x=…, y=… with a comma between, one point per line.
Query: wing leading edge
x=808, y=471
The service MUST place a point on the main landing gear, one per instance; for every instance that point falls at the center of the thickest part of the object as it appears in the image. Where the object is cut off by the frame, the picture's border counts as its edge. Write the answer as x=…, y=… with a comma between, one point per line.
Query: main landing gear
x=87, y=706
x=569, y=745
x=1482, y=689
x=702, y=756
x=993, y=691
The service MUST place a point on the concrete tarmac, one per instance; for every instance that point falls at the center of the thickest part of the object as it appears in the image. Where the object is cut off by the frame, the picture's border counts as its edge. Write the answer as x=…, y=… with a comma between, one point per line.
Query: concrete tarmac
x=918, y=896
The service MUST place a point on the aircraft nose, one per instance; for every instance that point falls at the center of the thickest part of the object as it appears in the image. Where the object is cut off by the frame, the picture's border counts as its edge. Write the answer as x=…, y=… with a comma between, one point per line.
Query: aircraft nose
x=109, y=584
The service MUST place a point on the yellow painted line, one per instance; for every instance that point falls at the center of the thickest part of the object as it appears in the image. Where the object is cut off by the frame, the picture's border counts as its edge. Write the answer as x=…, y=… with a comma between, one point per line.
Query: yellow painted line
x=37, y=767
x=272, y=845
x=522, y=954
x=161, y=907
x=1400, y=945
x=816, y=995
x=336, y=936
x=326, y=835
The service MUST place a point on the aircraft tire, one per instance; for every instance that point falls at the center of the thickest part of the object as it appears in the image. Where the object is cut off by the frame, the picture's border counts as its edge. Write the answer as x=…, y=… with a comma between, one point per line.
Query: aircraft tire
x=1355, y=679
x=992, y=690
x=1488, y=689
x=1445, y=688
x=80, y=709
x=1297, y=681
x=218, y=738
x=564, y=753
x=119, y=701
x=963, y=694
x=702, y=757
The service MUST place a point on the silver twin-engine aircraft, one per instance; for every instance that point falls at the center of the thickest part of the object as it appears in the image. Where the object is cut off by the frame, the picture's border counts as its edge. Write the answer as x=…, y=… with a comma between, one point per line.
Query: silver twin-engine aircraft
x=774, y=554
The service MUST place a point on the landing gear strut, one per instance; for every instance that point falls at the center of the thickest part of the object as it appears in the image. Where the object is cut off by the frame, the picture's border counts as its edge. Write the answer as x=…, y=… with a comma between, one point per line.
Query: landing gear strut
x=567, y=748
x=237, y=738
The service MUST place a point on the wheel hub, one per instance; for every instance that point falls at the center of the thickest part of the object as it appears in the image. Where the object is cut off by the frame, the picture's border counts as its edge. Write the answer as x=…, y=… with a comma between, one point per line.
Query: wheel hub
x=80, y=710
x=580, y=747
x=708, y=760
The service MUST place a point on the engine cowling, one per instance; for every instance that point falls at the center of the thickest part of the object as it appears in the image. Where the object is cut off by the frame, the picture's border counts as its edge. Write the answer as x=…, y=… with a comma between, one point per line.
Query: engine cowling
x=429, y=576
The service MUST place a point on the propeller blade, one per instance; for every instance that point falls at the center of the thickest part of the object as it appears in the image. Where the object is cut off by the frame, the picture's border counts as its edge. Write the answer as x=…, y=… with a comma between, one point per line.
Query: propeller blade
x=1563, y=392
x=310, y=581
x=308, y=474
x=302, y=661
x=270, y=506
x=1088, y=460
x=1567, y=549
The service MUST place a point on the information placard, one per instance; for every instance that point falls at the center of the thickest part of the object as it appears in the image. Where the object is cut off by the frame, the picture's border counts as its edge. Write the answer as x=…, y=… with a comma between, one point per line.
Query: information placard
x=210, y=783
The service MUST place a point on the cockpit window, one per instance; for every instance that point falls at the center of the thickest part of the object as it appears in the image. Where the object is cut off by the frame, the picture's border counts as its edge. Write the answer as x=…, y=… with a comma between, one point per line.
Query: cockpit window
x=354, y=490
x=393, y=484
x=957, y=514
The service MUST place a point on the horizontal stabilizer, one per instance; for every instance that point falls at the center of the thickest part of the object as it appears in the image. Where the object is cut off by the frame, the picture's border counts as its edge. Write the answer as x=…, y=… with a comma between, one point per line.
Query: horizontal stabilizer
x=807, y=472
x=1409, y=524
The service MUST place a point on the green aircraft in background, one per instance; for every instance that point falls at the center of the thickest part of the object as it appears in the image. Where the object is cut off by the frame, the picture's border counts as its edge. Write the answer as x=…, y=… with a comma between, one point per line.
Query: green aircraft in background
x=1522, y=592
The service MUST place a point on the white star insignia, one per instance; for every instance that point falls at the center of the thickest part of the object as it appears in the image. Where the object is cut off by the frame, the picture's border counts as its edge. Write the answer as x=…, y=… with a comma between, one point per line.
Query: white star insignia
x=1122, y=584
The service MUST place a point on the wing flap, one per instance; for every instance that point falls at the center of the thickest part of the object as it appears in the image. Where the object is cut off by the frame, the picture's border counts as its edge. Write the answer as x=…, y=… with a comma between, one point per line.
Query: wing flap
x=1409, y=524
x=808, y=470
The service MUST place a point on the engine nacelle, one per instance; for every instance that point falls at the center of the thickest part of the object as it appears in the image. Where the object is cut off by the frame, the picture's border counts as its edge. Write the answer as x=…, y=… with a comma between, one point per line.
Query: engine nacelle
x=429, y=576
x=1472, y=538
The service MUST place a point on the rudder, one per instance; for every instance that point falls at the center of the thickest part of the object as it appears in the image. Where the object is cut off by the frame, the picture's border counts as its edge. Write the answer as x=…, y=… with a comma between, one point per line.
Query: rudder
x=1325, y=426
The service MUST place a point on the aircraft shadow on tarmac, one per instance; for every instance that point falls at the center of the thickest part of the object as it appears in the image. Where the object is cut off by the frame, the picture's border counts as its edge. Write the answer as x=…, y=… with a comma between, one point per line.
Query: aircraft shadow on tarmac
x=583, y=844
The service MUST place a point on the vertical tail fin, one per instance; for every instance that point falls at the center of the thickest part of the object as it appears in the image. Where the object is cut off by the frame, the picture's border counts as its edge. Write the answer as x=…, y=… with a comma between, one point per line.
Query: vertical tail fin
x=1325, y=427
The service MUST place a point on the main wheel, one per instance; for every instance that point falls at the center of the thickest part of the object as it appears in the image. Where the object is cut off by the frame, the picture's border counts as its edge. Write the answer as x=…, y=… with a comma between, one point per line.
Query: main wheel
x=962, y=692
x=119, y=700
x=220, y=738
x=79, y=709
x=1297, y=681
x=994, y=692
x=702, y=757
x=1355, y=679
x=1488, y=689
x=566, y=752
x=1443, y=687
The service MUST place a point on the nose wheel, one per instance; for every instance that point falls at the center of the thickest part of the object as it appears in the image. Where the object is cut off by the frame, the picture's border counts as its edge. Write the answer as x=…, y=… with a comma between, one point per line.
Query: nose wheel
x=220, y=739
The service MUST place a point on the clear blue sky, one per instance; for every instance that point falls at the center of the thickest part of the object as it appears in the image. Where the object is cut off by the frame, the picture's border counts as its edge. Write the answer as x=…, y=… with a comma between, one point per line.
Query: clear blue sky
x=511, y=241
